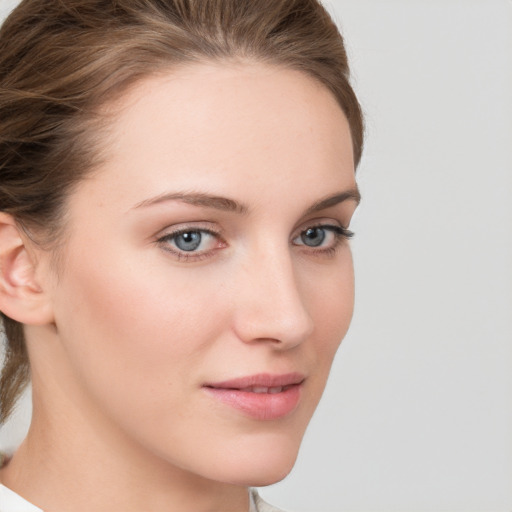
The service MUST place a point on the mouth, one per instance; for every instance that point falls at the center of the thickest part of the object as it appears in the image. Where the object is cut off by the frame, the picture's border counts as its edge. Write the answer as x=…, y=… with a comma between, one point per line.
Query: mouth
x=262, y=397
x=263, y=389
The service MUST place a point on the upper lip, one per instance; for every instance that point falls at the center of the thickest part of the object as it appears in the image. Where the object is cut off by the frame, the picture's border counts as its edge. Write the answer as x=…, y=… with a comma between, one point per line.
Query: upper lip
x=259, y=380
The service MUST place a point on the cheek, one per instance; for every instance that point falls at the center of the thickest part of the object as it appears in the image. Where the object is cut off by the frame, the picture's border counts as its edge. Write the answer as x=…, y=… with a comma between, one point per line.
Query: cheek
x=330, y=299
x=133, y=329
x=330, y=302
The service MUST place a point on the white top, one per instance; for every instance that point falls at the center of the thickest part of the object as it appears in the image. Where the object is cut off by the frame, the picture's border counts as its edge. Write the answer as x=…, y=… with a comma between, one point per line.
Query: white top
x=12, y=502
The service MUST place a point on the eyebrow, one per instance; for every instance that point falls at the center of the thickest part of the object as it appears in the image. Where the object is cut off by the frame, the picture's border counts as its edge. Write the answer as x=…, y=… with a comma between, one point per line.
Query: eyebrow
x=198, y=199
x=352, y=194
x=230, y=205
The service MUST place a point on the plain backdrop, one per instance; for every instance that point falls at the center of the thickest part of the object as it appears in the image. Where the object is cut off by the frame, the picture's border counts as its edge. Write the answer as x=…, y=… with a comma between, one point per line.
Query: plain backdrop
x=417, y=415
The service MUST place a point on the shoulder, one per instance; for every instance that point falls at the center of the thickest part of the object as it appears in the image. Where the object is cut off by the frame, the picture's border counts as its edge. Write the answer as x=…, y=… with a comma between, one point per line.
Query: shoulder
x=259, y=505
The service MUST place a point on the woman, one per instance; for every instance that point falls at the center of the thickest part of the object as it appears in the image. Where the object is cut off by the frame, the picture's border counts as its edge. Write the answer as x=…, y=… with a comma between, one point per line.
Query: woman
x=177, y=182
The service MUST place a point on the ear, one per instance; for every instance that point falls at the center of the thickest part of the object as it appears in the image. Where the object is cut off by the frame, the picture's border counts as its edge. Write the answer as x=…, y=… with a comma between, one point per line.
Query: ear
x=22, y=298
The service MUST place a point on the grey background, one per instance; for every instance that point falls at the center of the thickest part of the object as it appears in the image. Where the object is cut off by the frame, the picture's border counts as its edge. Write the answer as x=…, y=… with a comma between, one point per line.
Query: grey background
x=417, y=415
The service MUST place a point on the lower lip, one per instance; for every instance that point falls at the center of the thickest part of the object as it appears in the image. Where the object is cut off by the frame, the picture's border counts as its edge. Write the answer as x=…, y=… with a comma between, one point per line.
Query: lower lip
x=260, y=406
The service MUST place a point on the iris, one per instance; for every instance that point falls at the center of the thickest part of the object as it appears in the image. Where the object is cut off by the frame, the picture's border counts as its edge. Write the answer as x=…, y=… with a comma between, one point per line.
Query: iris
x=313, y=237
x=188, y=241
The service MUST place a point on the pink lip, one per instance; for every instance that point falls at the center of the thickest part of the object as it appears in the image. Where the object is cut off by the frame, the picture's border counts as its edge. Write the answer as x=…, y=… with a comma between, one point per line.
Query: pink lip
x=273, y=404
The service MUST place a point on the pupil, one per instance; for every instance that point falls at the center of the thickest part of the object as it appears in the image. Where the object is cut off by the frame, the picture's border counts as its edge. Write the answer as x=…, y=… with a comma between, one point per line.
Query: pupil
x=313, y=237
x=188, y=241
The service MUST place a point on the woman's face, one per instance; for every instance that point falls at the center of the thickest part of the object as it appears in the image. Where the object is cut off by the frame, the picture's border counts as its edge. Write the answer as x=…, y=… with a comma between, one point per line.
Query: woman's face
x=207, y=280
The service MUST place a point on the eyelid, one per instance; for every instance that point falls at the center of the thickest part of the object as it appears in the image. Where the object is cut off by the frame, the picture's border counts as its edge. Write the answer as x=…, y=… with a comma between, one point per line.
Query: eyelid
x=181, y=227
x=338, y=230
x=327, y=223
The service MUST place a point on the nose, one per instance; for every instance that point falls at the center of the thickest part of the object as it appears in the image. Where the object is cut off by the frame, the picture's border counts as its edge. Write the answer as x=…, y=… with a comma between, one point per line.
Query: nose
x=269, y=303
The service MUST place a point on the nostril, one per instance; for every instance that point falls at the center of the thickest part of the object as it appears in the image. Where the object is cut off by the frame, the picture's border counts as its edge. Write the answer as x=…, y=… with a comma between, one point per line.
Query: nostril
x=283, y=330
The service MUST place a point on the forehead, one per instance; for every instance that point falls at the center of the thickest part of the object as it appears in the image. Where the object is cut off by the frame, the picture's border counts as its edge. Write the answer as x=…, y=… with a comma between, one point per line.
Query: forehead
x=230, y=123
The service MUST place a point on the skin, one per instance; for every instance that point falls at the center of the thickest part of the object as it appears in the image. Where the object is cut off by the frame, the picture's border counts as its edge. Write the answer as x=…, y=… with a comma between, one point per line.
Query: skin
x=129, y=331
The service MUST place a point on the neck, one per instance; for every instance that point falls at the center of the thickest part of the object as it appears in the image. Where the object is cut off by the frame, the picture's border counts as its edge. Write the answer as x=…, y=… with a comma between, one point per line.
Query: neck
x=76, y=461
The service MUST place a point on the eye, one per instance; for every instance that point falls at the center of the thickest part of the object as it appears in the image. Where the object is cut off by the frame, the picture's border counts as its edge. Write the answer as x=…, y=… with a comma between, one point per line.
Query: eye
x=191, y=243
x=324, y=237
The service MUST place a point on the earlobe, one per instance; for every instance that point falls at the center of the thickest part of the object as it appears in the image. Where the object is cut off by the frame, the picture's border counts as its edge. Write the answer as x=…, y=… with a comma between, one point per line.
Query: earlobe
x=21, y=296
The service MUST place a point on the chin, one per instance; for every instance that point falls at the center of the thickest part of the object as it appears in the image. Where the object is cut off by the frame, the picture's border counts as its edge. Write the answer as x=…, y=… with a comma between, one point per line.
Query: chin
x=269, y=477
x=263, y=463
x=257, y=476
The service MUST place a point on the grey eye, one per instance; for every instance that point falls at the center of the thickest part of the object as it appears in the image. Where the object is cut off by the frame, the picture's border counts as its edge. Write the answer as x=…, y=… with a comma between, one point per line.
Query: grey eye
x=313, y=237
x=188, y=241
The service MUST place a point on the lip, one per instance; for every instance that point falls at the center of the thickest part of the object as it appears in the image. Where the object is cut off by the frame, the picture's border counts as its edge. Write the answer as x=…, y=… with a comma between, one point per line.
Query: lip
x=263, y=396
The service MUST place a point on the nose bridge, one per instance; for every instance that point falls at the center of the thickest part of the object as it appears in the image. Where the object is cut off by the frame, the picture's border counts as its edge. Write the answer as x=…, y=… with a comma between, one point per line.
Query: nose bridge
x=273, y=305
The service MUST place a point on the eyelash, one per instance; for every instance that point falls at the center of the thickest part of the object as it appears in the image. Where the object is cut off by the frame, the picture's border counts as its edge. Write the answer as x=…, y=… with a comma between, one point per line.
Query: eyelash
x=340, y=233
x=181, y=255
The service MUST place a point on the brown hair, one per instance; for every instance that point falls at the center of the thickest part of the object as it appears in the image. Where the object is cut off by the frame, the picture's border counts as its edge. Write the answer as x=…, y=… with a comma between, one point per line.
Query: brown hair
x=60, y=60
